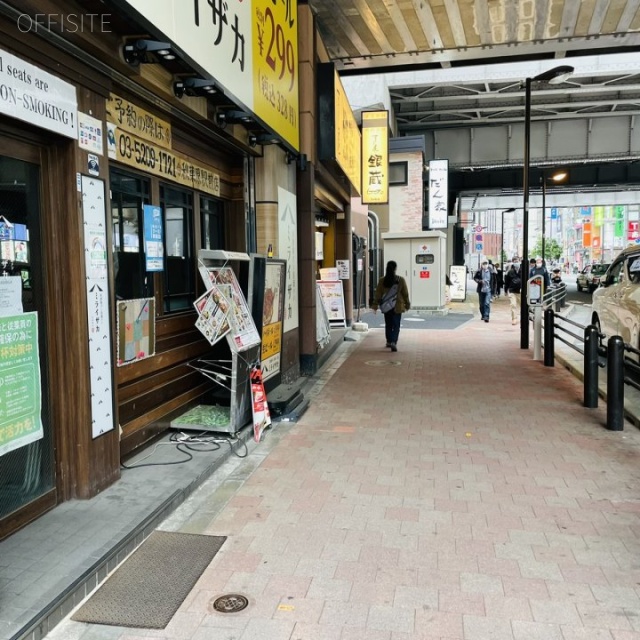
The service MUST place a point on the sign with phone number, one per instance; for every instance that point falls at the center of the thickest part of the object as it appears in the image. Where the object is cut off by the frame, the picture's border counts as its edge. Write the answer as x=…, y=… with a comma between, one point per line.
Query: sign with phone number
x=133, y=151
x=271, y=340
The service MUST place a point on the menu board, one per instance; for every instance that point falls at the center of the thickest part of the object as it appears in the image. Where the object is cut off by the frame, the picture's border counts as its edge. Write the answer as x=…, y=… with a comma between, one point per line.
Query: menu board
x=213, y=310
x=333, y=301
x=243, y=332
x=272, y=318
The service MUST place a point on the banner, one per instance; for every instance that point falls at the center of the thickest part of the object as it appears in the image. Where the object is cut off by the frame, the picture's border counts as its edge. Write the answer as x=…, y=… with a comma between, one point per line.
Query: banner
x=375, y=157
x=259, y=406
x=438, y=193
x=153, y=244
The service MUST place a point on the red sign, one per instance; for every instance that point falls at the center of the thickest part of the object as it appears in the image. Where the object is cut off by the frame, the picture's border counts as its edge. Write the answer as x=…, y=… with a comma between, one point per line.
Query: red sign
x=633, y=231
x=595, y=243
x=425, y=274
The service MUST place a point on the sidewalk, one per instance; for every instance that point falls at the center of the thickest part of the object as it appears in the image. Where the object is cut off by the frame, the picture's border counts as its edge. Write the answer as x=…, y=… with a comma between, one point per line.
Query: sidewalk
x=456, y=489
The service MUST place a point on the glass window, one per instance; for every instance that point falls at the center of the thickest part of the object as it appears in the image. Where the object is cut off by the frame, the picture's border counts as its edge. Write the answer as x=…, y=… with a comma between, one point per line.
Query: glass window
x=398, y=173
x=179, y=272
x=615, y=273
x=211, y=218
x=128, y=194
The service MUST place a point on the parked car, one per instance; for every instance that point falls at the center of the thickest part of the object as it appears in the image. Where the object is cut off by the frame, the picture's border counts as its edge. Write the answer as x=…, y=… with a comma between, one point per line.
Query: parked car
x=589, y=278
x=616, y=303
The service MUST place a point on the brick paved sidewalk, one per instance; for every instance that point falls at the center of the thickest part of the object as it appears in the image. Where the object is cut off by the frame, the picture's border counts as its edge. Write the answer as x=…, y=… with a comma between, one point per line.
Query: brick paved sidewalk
x=453, y=490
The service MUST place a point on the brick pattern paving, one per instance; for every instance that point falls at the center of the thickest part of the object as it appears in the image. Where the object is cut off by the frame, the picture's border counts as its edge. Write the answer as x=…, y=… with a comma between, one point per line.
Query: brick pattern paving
x=453, y=490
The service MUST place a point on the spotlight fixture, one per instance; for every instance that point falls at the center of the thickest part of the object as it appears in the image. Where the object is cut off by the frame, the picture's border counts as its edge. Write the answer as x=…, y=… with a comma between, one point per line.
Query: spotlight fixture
x=142, y=51
x=195, y=87
x=263, y=138
x=232, y=116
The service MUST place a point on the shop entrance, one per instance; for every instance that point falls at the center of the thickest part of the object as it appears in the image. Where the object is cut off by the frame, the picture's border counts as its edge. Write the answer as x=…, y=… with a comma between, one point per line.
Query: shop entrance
x=27, y=467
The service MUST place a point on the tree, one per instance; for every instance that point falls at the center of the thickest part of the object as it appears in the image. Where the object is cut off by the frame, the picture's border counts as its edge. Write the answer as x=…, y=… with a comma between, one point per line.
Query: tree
x=552, y=250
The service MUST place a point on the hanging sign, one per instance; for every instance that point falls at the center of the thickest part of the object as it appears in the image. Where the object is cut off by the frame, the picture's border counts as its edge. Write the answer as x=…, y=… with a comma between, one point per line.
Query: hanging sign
x=153, y=244
x=37, y=97
x=618, y=230
x=20, y=392
x=375, y=157
x=586, y=234
x=438, y=193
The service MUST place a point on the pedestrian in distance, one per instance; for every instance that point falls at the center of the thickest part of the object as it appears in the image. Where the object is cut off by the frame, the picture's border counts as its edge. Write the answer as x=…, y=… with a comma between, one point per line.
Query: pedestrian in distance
x=540, y=270
x=484, y=279
x=499, y=279
x=513, y=287
x=392, y=298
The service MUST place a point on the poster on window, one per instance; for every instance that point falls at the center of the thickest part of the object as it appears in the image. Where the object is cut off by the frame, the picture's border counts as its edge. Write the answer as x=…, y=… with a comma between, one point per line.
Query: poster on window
x=272, y=316
x=153, y=242
x=136, y=330
x=20, y=391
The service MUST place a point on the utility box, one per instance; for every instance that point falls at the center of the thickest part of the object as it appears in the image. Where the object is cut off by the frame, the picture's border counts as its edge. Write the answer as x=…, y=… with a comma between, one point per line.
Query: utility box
x=421, y=258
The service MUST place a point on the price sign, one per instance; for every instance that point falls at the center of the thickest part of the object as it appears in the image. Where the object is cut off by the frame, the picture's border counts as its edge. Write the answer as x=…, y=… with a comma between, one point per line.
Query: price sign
x=275, y=66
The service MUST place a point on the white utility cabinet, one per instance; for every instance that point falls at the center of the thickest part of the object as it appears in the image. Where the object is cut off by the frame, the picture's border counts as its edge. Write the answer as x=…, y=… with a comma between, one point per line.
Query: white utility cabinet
x=422, y=262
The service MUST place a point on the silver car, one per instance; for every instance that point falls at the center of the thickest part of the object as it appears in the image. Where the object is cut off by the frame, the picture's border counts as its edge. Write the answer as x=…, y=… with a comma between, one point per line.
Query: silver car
x=589, y=278
x=616, y=303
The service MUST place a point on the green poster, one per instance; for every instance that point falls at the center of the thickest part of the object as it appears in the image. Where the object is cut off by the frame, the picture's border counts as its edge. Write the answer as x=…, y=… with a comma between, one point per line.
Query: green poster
x=20, y=398
x=598, y=216
x=618, y=230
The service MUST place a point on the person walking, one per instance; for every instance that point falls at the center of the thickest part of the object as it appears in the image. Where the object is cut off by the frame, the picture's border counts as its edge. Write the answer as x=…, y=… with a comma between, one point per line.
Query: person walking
x=499, y=279
x=540, y=270
x=392, y=298
x=513, y=286
x=484, y=279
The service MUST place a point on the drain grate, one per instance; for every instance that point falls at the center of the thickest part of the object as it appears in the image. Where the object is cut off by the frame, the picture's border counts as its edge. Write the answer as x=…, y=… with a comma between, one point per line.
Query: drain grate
x=230, y=603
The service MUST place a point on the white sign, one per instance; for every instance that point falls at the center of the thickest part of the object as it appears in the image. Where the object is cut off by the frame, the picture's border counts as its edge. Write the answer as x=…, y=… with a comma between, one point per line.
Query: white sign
x=438, y=193
x=458, y=278
x=343, y=269
x=288, y=250
x=90, y=134
x=37, y=97
x=11, y=296
x=98, y=315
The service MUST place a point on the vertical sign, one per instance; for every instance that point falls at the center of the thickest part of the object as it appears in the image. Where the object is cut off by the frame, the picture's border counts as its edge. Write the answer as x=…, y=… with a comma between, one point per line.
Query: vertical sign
x=438, y=193
x=619, y=224
x=288, y=250
x=153, y=244
x=375, y=157
x=554, y=213
x=20, y=395
x=598, y=216
x=586, y=234
x=98, y=316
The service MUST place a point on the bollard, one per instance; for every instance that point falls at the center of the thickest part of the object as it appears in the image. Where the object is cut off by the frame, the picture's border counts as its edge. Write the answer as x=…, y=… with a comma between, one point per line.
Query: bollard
x=590, y=367
x=563, y=299
x=537, y=332
x=615, y=383
x=549, y=347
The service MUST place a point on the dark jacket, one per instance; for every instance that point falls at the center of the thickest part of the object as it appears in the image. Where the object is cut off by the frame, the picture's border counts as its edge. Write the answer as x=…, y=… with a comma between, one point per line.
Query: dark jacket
x=509, y=285
x=477, y=277
x=541, y=271
x=402, y=301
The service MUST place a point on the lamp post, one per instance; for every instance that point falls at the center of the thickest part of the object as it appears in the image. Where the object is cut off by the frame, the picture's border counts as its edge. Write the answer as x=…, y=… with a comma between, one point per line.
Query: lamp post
x=558, y=176
x=510, y=210
x=554, y=76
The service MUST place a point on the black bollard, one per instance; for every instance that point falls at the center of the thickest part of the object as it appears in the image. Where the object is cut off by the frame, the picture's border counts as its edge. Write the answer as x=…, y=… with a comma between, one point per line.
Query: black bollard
x=590, y=367
x=549, y=347
x=615, y=383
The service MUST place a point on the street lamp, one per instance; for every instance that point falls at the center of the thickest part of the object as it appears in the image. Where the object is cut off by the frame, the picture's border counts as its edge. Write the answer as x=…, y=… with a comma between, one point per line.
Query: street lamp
x=557, y=177
x=553, y=76
x=510, y=210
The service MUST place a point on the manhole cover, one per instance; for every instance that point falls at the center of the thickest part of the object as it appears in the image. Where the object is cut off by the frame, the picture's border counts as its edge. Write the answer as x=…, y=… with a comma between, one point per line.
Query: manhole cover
x=383, y=363
x=230, y=603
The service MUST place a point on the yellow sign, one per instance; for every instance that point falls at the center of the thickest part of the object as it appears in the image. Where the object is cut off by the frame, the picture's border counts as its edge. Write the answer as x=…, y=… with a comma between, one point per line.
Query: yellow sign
x=347, y=136
x=133, y=151
x=375, y=157
x=134, y=119
x=275, y=67
x=271, y=340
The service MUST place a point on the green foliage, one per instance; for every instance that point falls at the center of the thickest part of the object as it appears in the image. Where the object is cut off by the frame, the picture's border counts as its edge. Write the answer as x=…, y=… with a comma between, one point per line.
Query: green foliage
x=552, y=250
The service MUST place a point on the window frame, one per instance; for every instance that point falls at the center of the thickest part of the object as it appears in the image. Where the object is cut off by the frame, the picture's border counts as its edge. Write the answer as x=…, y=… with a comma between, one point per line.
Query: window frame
x=405, y=170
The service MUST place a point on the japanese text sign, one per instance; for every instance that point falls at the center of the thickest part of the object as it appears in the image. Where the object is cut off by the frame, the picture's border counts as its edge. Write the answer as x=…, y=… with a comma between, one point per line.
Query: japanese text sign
x=375, y=157
x=438, y=193
x=153, y=246
x=129, y=117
